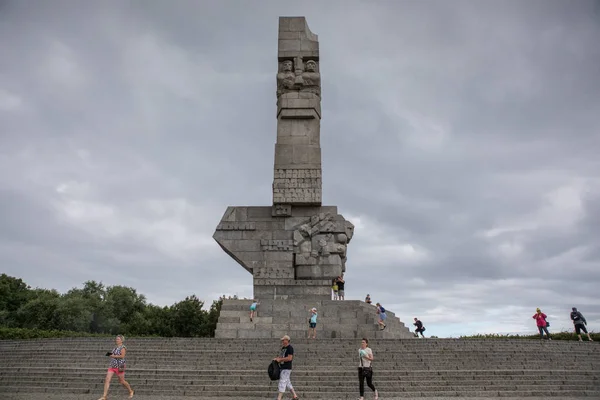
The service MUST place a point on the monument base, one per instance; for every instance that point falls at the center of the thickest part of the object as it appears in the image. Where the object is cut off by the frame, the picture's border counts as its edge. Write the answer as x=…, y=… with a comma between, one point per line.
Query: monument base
x=347, y=319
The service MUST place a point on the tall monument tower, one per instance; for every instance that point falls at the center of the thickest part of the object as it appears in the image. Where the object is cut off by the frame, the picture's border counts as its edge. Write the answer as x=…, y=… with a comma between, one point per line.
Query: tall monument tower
x=296, y=246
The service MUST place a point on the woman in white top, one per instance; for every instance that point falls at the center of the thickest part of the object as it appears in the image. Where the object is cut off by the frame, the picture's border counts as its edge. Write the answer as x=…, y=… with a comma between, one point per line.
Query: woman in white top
x=365, y=354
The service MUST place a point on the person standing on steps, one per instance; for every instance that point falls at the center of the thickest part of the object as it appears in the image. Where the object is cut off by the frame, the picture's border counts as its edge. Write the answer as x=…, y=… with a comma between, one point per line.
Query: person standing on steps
x=117, y=366
x=253, y=306
x=579, y=322
x=420, y=328
x=334, y=287
x=341, y=283
x=365, y=370
x=286, y=355
x=382, y=316
x=312, y=323
x=540, y=320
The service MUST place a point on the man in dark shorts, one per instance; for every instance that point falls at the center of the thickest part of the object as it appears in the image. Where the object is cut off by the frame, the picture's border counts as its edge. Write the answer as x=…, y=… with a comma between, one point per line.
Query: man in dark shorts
x=579, y=322
x=420, y=328
x=340, y=283
x=286, y=355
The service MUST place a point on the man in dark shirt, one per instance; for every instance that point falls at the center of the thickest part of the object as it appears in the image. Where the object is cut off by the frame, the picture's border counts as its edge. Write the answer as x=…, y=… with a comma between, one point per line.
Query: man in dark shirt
x=579, y=322
x=340, y=283
x=420, y=328
x=286, y=355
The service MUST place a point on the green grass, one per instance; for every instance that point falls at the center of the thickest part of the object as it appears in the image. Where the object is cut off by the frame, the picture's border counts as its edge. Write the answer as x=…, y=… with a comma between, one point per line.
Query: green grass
x=554, y=335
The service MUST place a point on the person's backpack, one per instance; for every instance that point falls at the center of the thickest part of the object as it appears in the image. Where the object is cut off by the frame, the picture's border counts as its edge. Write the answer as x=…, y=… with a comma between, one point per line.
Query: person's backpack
x=381, y=309
x=274, y=371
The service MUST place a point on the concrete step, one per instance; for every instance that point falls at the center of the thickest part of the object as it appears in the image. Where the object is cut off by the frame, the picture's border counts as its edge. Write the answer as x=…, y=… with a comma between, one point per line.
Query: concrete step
x=237, y=368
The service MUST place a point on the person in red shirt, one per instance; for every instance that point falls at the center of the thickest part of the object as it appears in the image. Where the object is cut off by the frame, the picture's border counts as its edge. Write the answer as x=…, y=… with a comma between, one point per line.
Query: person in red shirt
x=540, y=320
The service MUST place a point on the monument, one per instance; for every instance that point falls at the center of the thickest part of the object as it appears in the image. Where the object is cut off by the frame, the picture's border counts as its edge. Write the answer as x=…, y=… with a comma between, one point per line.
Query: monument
x=295, y=247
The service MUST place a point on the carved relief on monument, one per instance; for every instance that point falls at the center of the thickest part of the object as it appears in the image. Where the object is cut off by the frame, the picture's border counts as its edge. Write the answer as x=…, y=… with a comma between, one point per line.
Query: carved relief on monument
x=282, y=210
x=236, y=226
x=276, y=245
x=296, y=76
x=311, y=78
x=322, y=240
x=297, y=186
x=285, y=77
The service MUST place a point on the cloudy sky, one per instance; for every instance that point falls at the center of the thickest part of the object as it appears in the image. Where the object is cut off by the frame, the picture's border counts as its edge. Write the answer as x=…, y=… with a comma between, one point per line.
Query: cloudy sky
x=461, y=139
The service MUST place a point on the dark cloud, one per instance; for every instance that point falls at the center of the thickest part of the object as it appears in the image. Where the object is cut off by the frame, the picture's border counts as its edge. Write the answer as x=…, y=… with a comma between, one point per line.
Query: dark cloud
x=461, y=139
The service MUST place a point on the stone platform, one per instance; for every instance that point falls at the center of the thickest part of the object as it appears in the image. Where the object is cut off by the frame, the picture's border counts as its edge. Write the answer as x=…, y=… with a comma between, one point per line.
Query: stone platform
x=174, y=369
x=348, y=319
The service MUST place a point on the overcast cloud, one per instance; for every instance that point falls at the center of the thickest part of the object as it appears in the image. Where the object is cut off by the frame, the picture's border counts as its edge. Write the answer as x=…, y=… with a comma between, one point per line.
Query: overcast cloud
x=461, y=138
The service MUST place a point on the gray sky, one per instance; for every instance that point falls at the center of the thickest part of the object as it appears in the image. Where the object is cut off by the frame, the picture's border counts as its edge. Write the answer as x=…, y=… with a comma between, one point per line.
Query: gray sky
x=461, y=139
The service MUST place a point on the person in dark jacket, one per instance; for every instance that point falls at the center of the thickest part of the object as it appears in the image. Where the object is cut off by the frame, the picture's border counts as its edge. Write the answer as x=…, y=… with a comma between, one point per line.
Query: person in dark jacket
x=579, y=322
x=420, y=328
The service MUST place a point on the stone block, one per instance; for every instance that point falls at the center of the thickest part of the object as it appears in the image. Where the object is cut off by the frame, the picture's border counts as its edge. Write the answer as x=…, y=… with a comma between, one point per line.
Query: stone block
x=284, y=153
x=282, y=210
x=241, y=214
x=226, y=334
x=284, y=24
x=310, y=211
x=279, y=256
x=286, y=45
x=283, y=235
x=257, y=235
x=228, y=320
x=229, y=215
x=259, y=213
x=309, y=45
x=245, y=245
x=253, y=334
x=289, y=35
x=274, y=225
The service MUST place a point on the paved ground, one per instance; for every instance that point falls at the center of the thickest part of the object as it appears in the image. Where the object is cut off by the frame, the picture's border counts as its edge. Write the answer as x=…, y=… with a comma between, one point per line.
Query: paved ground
x=41, y=396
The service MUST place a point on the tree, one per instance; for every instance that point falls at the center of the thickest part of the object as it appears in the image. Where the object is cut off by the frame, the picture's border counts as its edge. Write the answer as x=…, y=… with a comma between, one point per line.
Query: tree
x=14, y=293
x=188, y=317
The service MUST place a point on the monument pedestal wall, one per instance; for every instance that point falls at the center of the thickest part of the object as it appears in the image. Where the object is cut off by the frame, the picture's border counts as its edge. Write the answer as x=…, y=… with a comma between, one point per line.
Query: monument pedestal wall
x=347, y=319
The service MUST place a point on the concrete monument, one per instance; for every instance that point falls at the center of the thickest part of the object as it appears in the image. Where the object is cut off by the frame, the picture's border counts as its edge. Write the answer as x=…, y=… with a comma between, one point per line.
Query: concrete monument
x=296, y=246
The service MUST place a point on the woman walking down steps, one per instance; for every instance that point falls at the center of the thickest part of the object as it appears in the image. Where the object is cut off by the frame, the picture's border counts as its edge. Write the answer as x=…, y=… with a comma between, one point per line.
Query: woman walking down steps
x=117, y=366
x=365, y=370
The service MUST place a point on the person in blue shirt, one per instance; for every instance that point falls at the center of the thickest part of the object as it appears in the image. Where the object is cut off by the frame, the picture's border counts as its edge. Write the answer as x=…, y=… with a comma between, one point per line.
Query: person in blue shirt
x=253, y=306
x=312, y=323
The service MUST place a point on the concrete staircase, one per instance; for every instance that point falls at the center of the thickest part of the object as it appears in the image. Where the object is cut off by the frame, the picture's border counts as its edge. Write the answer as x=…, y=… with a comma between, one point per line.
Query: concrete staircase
x=323, y=368
x=348, y=319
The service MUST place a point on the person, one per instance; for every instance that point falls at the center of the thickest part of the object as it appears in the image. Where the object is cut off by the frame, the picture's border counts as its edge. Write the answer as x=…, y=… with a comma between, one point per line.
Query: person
x=579, y=322
x=368, y=299
x=253, y=306
x=117, y=366
x=365, y=369
x=382, y=316
x=420, y=328
x=334, y=287
x=340, y=283
x=286, y=355
x=312, y=323
x=540, y=319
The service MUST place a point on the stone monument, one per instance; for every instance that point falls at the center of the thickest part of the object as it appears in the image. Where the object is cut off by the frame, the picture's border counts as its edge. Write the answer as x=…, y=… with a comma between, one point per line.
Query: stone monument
x=296, y=246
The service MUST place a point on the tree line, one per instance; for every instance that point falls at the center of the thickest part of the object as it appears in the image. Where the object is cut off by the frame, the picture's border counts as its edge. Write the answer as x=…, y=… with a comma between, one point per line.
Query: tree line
x=98, y=309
